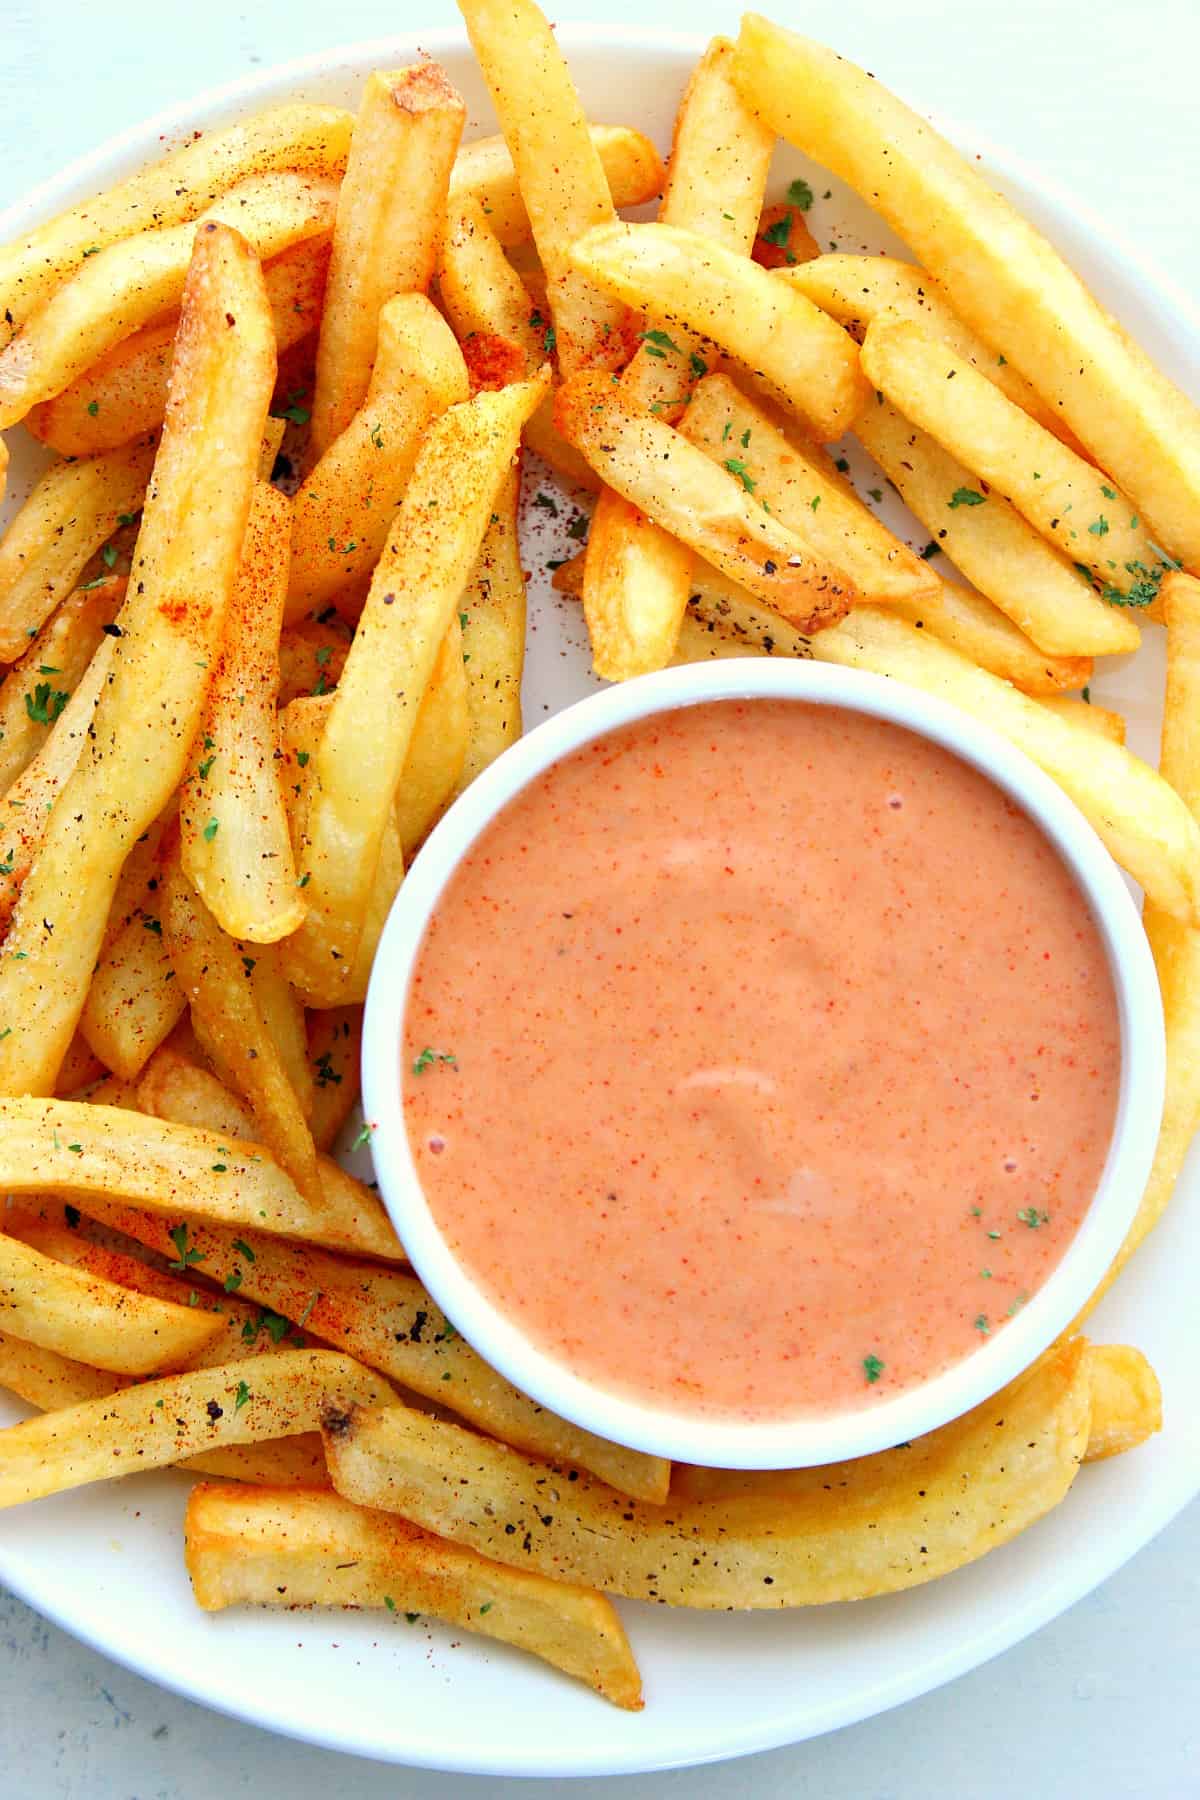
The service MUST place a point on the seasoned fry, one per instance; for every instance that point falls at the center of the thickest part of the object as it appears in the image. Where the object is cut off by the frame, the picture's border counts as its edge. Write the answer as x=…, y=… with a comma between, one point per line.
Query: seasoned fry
x=73, y=509
x=1069, y=501
x=171, y=1169
x=994, y=546
x=385, y=237
x=1100, y=719
x=698, y=642
x=972, y=625
x=557, y=165
x=636, y=576
x=707, y=507
x=346, y=504
x=901, y=1518
x=387, y=1319
x=233, y=829
x=312, y=655
x=784, y=240
x=1000, y=275
x=124, y=394
x=799, y=494
x=413, y=599
x=44, y=1379
x=80, y=1068
x=856, y=289
x=1146, y=827
x=295, y=1549
x=780, y=341
x=283, y=1012
x=123, y=288
x=1126, y=1401
x=174, y=1088
x=334, y=1048
x=207, y=1409
x=39, y=685
x=214, y=971
x=87, y=1318
x=177, y=188
x=434, y=764
x=493, y=624
x=484, y=171
x=135, y=1000
x=186, y=563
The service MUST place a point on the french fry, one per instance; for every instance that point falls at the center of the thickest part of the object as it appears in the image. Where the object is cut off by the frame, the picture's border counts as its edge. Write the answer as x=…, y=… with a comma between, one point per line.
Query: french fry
x=1142, y=821
x=709, y=508
x=25, y=806
x=636, y=575
x=204, y=1410
x=312, y=655
x=135, y=999
x=39, y=685
x=214, y=971
x=177, y=188
x=234, y=839
x=434, y=764
x=901, y=1518
x=346, y=504
x=124, y=394
x=1000, y=275
x=387, y=1319
x=994, y=546
x=787, y=347
x=1126, y=1401
x=127, y=286
x=73, y=509
x=171, y=1168
x=784, y=240
x=174, y=1088
x=484, y=170
x=334, y=1047
x=385, y=237
x=1069, y=501
x=294, y=1549
x=698, y=642
x=283, y=1012
x=798, y=493
x=87, y=1318
x=494, y=637
x=192, y=531
x=80, y=1068
x=413, y=598
x=1088, y=717
x=854, y=290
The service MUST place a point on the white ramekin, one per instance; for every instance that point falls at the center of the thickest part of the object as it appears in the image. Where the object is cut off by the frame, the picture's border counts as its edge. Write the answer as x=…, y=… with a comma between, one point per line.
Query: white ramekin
x=727, y=1443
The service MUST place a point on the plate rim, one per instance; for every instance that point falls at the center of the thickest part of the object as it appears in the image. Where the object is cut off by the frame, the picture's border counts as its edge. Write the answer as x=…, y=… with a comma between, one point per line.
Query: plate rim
x=1177, y=1488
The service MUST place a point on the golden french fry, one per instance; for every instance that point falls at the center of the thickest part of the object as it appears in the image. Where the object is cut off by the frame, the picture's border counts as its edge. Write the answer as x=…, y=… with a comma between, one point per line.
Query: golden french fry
x=1100, y=719
x=902, y=1517
x=85, y=1317
x=25, y=806
x=494, y=636
x=135, y=999
x=346, y=504
x=484, y=171
x=312, y=655
x=186, y=564
x=1179, y=758
x=698, y=642
x=129, y=285
x=784, y=344
x=80, y=1068
x=425, y=566
x=709, y=508
x=73, y=509
x=856, y=289
x=1126, y=1401
x=175, y=1170
x=234, y=839
x=385, y=237
x=387, y=1319
x=39, y=685
x=293, y=1549
x=177, y=188
x=214, y=971
x=784, y=239
x=124, y=394
x=1069, y=501
x=172, y=1087
x=434, y=764
x=636, y=575
x=971, y=624
x=994, y=546
x=204, y=1410
x=558, y=168
x=283, y=1012
x=1000, y=275
x=799, y=494
x=1142, y=821
x=334, y=1047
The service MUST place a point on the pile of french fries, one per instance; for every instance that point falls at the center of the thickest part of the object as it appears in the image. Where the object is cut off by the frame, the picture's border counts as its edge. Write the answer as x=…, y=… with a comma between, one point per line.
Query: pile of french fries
x=248, y=671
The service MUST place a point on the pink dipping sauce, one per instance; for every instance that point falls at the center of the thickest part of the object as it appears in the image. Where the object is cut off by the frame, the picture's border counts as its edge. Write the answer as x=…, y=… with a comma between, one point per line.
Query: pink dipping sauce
x=785, y=1060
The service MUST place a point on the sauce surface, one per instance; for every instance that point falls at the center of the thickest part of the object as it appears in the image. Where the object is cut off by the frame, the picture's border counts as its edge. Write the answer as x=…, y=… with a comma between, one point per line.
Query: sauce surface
x=760, y=1060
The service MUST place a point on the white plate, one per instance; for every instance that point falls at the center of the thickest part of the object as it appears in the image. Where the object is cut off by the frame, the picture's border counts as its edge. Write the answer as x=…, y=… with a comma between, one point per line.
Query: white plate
x=106, y=1563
